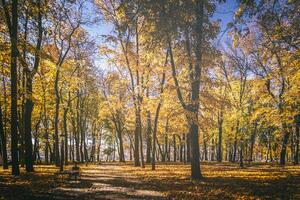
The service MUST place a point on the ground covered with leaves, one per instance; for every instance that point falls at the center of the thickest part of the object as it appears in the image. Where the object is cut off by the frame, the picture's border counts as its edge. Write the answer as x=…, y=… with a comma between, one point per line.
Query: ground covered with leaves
x=169, y=181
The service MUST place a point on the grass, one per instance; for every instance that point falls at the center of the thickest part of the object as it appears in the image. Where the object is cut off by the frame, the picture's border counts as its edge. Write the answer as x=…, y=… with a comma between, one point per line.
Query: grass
x=169, y=181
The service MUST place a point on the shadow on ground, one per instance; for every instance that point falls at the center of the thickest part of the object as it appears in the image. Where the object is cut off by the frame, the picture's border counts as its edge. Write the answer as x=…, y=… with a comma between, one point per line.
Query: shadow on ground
x=122, y=181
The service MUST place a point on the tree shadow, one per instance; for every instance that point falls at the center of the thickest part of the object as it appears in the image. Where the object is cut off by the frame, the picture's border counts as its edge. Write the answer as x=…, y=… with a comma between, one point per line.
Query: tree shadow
x=123, y=182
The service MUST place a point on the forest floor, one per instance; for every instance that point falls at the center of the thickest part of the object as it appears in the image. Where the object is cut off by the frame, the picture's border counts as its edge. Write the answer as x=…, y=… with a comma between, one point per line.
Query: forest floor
x=169, y=181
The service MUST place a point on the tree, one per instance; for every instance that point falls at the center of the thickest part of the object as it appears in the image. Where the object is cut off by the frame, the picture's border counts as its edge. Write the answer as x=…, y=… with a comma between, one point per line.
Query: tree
x=12, y=26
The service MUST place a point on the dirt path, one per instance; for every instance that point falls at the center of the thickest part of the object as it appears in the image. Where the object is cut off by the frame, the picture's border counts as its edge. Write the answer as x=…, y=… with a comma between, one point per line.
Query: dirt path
x=109, y=181
x=168, y=181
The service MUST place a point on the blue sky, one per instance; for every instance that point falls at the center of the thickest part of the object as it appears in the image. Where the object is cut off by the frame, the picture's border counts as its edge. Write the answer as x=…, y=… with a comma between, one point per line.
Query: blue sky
x=224, y=12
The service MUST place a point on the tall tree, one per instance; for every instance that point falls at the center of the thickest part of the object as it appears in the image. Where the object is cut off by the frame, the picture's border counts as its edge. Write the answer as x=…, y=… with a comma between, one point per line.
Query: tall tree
x=12, y=26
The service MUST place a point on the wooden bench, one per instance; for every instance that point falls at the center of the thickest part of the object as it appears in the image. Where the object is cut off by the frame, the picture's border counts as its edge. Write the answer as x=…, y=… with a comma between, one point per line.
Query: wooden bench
x=68, y=173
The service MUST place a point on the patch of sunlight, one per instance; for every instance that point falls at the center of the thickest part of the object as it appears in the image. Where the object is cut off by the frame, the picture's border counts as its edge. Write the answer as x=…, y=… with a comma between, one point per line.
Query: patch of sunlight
x=78, y=190
x=104, y=187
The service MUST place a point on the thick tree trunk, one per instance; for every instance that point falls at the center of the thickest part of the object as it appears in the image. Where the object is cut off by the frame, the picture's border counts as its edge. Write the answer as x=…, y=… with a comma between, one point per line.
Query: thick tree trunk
x=14, y=88
x=195, y=163
x=120, y=138
x=27, y=125
x=194, y=107
x=283, y=147
x=28, y=107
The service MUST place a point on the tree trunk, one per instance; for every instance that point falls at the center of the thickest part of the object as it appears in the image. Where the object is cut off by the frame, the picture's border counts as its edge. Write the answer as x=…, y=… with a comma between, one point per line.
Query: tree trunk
x=86, y=158
x=130, y=148
x=165, y=147
x=28, y=107
x=292, y=144
x=93, y=150
x=194, y=107
x=148, y=138
x=297, y=133
x=136, y=139
x=56, y=116
x=66, y=152
x=141, y=140
x=181, y=149
x=120, y=138
x=188, y=149
x=27, y=125
x=184, y=147
x=235, y=142
x=21, y=136
x=220, y=127
x=72, y=146
x=241, y=154
x=283, y=147
x=205, y=150
x=174, y=148
x=155, y=135
x=14, y=88
x=252, y=140
x=212, y=153
x=81, y=142
x=99, y=147
x=195, y=163
x=3, y=141
x=62, y=155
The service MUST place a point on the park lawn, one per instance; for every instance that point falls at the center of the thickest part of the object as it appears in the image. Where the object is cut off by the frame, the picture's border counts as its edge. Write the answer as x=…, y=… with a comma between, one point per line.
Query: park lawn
x=168, y=181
